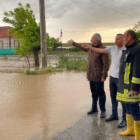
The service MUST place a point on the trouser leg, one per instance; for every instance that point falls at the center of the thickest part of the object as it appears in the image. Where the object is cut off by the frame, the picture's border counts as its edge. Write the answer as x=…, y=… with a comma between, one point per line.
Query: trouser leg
x=101, y=95
x=113, y=93
x=94, y=94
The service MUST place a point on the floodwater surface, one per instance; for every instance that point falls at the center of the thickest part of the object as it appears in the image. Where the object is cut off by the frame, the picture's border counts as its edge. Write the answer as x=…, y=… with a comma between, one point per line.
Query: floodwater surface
x=41, y=105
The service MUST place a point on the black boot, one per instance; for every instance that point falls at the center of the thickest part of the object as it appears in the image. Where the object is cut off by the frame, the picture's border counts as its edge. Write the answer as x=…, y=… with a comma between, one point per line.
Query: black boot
x=122, y=124
x=112, y=118
x=92, y=111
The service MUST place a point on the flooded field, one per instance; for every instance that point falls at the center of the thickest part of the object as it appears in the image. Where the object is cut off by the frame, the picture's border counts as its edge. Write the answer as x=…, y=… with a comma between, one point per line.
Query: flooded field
x=14, y=63
x=37, y=107
x=41, y=105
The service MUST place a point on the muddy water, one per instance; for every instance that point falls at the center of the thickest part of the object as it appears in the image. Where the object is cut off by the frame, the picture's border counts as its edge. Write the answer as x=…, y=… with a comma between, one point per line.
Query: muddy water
x=13, y=65
x=37, y=107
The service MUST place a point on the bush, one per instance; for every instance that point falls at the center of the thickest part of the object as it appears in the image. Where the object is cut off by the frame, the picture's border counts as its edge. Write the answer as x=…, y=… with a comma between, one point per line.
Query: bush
x=75, y=64
x=28, y=72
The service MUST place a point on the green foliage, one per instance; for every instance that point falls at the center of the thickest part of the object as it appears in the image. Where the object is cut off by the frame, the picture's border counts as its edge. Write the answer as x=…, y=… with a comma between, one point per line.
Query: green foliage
x=68, y=52
x=24, y=28
x=49, y=41
x=64, y=58
x=5, y=57
x=28, y=72
x=74, y=64
x=74, y=49
x=52, y=43
x=43, y=71
x=136, y=28
x=56, y=43
x=106, y=44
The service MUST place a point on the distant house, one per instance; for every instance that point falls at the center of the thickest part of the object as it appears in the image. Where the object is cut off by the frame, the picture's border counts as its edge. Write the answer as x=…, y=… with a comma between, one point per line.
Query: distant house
x=6, y=41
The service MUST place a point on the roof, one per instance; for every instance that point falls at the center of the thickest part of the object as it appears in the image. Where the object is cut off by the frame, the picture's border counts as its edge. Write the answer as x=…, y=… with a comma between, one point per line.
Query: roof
x=4, y=31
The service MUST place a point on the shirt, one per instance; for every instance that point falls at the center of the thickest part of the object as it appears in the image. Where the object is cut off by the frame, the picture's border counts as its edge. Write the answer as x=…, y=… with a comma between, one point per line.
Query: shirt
x=115, y=62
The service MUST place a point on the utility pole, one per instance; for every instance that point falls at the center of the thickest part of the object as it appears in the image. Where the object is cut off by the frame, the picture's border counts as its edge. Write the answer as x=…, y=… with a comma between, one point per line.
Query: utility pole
x=43, y=34
x=61, y=38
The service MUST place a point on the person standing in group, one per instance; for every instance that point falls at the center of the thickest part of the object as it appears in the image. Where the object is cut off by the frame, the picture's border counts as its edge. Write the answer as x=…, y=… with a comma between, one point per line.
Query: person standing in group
x=116, y=53
x=129, y=84
x=97, y=71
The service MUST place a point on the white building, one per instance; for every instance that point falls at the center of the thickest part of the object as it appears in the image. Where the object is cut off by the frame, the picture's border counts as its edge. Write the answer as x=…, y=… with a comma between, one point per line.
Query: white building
x=6, y=40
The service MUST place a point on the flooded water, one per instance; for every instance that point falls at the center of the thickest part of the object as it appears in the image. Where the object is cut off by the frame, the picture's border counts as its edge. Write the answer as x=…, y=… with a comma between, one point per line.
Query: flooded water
x=37, y=107
x=15, y=64
x=41, y=105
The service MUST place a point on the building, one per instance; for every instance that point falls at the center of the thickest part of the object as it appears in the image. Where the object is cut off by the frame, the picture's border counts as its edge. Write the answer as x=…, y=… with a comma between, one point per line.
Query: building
x=6, y=41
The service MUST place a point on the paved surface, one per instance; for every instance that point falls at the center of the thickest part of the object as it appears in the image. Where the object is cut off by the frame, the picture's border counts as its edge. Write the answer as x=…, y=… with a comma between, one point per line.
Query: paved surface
x=93, y=128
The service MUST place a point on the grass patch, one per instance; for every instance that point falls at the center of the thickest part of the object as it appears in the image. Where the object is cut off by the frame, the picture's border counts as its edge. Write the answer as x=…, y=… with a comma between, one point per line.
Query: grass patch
x=36, y=72
x=28, y=72
x=106, y=44
x=64, y=64
x=43, y=71
x=12, y=71
x=5, y=58
x=73, y=52
x=75, y=64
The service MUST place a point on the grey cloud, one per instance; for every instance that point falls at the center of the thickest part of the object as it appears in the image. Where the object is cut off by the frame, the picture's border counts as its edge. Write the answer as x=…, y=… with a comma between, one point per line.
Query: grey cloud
x=82, y=15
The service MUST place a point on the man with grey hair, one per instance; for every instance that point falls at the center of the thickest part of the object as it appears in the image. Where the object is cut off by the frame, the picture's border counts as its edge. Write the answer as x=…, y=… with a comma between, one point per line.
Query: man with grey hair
x=98, y=37
x=97, y=71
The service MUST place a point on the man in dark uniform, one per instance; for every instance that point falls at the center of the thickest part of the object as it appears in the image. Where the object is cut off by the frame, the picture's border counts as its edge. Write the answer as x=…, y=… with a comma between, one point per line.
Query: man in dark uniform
x=129, y=84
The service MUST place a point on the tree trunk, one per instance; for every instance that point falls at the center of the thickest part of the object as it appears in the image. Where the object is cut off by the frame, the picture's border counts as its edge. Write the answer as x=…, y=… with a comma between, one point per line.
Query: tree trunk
x=36, y=57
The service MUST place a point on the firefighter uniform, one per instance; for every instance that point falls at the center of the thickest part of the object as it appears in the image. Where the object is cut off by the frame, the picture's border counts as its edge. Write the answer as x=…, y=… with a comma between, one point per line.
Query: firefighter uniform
x=129, y=79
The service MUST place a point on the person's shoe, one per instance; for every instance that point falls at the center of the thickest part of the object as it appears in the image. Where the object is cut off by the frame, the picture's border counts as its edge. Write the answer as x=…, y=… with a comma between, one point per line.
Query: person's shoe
x=92, y=111
x=122, y=124
x=103, y=114
x=112, y=118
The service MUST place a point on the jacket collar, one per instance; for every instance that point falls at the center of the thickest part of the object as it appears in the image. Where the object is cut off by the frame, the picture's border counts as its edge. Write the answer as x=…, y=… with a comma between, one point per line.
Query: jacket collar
x=98, y=46
x=127, y=47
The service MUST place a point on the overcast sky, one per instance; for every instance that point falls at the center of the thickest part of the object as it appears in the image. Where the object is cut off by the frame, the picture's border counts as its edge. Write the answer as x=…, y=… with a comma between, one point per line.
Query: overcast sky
x=80, y=19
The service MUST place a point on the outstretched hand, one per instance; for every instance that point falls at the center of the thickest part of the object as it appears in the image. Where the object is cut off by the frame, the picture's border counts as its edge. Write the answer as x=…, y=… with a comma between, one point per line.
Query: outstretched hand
x=85, y=46
x=70, y=41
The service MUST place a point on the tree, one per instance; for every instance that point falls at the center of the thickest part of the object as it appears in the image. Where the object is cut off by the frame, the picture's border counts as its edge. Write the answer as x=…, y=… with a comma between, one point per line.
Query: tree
x=49, y=41
x=52, y=43
x=56, y=43
x=136, y=28
x=25, y=29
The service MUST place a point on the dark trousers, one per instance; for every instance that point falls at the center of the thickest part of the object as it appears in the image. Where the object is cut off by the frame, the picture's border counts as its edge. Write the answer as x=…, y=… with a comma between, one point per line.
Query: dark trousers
x=113, y=93
x=134, y=110
x=97, y=90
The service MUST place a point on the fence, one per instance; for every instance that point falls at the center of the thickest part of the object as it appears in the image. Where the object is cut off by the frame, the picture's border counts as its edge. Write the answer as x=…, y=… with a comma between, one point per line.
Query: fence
x=6, y=51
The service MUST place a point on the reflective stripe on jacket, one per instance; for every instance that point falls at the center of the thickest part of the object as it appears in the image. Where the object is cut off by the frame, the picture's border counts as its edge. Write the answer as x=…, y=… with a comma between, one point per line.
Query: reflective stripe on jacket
x=129, y=74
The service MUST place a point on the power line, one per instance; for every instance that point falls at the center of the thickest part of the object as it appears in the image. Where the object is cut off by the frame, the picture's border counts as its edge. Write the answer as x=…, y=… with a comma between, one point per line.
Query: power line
x=111, y=9
x=76, y=32
x=120, y=4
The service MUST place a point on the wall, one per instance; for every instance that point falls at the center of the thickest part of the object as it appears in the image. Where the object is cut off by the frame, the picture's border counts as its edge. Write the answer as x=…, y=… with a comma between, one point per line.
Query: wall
x=4, y=43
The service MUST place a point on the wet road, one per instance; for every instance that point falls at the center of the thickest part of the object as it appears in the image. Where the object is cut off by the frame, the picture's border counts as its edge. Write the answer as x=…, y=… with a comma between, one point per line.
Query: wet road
x=51, y=107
